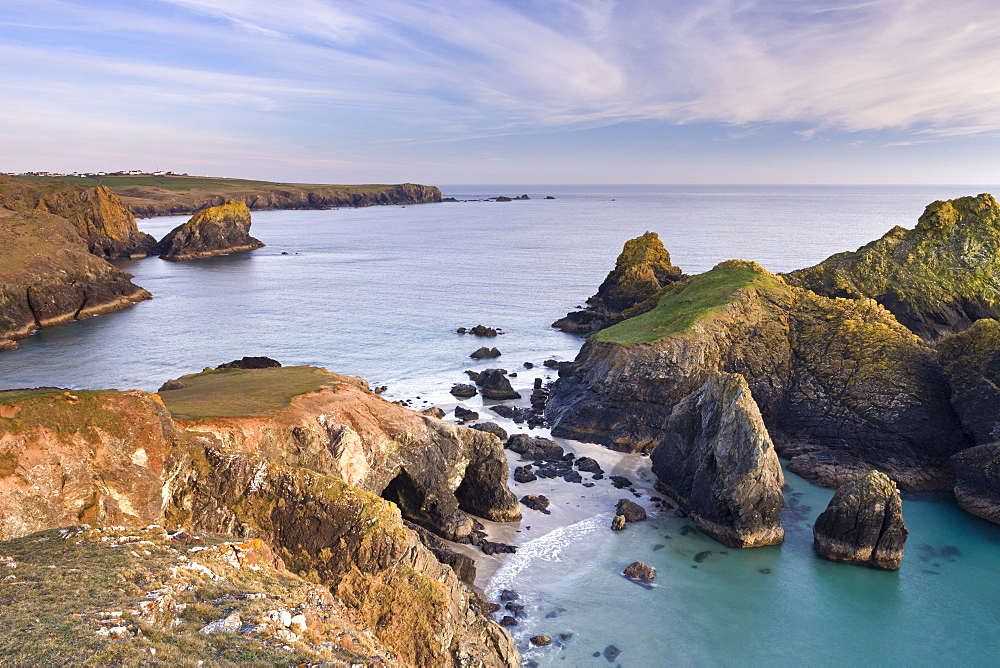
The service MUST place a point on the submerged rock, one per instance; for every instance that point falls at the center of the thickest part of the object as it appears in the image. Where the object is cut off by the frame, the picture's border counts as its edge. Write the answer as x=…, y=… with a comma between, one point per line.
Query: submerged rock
x=484, y=352
x=716, y=459
x=936, y=279
x=977, y=481
x=642, y=272
x=863, y=524
x=214, y=231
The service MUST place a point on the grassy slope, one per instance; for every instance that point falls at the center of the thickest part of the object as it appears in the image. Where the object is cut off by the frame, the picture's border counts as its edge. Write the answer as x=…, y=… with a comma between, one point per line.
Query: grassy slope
x=703, y=296
x=242, y=392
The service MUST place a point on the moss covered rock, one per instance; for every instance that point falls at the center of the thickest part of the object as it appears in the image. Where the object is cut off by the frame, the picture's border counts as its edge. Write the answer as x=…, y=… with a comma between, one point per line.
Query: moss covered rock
x=642, y=272
x=214, y=231
x=936, y=279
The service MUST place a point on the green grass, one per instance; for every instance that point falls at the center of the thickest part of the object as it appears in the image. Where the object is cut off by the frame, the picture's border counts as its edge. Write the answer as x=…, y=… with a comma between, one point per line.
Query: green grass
x=242, y=392
x=702, y=297
x=7, y=396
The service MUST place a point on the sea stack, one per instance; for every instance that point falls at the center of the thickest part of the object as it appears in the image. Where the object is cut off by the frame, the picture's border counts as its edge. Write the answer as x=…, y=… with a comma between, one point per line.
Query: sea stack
x=863, y=524
x=214, y=231
x=717, y=460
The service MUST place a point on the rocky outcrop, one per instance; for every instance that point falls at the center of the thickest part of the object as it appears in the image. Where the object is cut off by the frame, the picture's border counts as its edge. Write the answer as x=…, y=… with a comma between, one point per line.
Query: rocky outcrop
x=147, y=201
x=716, y=460
x=99, y=217
x=215, y=231
x=48, y=277
x=936, y=279
x=863, y=524
x=495, y=385
x=641, y=275
x=830, y=376
x=972, y=365
x=977, y=481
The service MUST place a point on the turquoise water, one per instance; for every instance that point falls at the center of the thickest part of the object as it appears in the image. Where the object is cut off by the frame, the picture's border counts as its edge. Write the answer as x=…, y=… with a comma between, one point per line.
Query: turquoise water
x=378, y=292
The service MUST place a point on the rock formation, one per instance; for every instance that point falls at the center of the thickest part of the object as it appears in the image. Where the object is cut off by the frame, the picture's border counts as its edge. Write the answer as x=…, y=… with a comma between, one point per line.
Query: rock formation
x=972, y=365
x=215, y=231
x=263, y=471
x=977, y=481
x=839, y=383
x=936, y=279
x=716, y=460
x=863, y=524
x=641, y=275
x=496, y=386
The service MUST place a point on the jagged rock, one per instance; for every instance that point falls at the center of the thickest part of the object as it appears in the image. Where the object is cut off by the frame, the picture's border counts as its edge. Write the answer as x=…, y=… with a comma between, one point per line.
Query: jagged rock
x=464, y=391
x=618, y=523
x=484, y=353
x=463, y=565
x=863, y=524
x=540, y=641
x=463, y=413
x=495, y=385
x=839, y=375
x=972, y=365
x=620, y=481
x=640, y=572
x=492, y=428
x=523, y=474
x=977, y=481
x=588, y=465
x=534, y=447
x=936, y=279
x=214, y=231
x=631, y=510
x=717, y=461
x=251, y=363
x=642, y=272
x=539, y=503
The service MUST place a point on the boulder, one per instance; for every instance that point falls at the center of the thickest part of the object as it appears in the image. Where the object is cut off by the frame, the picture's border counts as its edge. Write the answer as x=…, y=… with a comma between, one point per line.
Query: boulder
x=485, y=353
x=491, y=428
x=716, y=460
x=523, y=474
x=641, y=274
x=464, y=391
x=540, y=641
x=640, y=572
x=977, y=481
x=539, y=503
x=496, y=386
x=632, y=511
x=863, y=524
x=618, y=523
x=534, y=447
x=937, y=278
x=214, y=231
x=434, y=412
x=463, y=413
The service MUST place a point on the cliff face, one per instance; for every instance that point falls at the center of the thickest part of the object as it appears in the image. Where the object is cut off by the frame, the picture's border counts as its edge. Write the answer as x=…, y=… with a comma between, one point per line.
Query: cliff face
x=972, y=365
x=838, y=382
x=215, y=231
x=116, y=458
x=47, y=276
x=977, y=481
x=641, y=275
x=147, y=201
x=936, y=279
x=100, y=218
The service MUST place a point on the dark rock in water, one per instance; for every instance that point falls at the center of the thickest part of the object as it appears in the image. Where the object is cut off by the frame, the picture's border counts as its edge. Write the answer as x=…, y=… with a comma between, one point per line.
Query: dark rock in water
x=172, y=384
x=463, y=413
x=972, y=365
x=598, y=476
x=514, y=607
x=863, y=524
x=716, y=459
x=573, y=477
x=473, y=376
x=588, y=465
x=539, y=503
x=548, y=197
x=632, y=511
x=620, y=481
x=508, y=621
x=641, y=274
x=611, y=653
x=495, y=385
x=251, y=363
x=502, y=198
x=550, y=364
x=434, y=412
x=509, y=595
x=523, y=474
x=489, y=547
x=483, y=330
x=765, y=571
x=529, y=365
x=492, y=428
x=618, y=523
x=702, y=556
x=464, y=391
x=639, y=571
x=936, y=279
x=685, y=530
x=485, y=352
x=587, y=484
x=509, y=412
x=534, y=447
x=461, y=330
x=213, y=231
x=977, y=481
x=540, y=641
x=658, y=547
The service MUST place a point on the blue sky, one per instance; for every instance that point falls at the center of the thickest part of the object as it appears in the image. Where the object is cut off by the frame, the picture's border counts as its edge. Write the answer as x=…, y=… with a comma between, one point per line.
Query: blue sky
x=480, y=91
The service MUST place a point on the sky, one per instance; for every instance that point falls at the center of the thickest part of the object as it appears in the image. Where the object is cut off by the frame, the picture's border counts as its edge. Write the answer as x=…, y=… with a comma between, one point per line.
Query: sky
x=515, y=91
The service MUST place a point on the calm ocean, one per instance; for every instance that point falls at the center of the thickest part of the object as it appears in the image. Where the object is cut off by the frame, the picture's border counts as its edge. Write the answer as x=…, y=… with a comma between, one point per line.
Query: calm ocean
x=379, y=291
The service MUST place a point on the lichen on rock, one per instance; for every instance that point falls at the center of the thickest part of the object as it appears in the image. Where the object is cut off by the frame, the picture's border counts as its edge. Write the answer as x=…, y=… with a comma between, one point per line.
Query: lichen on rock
x=214, y=231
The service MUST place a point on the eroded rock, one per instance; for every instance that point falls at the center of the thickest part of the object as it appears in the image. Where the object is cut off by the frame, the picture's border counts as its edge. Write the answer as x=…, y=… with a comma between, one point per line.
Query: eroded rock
x=214, y=231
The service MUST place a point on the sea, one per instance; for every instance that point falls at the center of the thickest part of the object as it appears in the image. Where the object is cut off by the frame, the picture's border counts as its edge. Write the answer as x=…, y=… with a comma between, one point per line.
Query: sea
x=379, y=292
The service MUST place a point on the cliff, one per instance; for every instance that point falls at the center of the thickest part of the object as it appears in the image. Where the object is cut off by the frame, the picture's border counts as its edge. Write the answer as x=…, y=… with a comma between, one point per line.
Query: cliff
x=839, y=383
x=972, y=365
x=215, y=231
x=100, y=218
x=117, y=457
x=936, y=279
x=47, y=276
x=641, y=276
